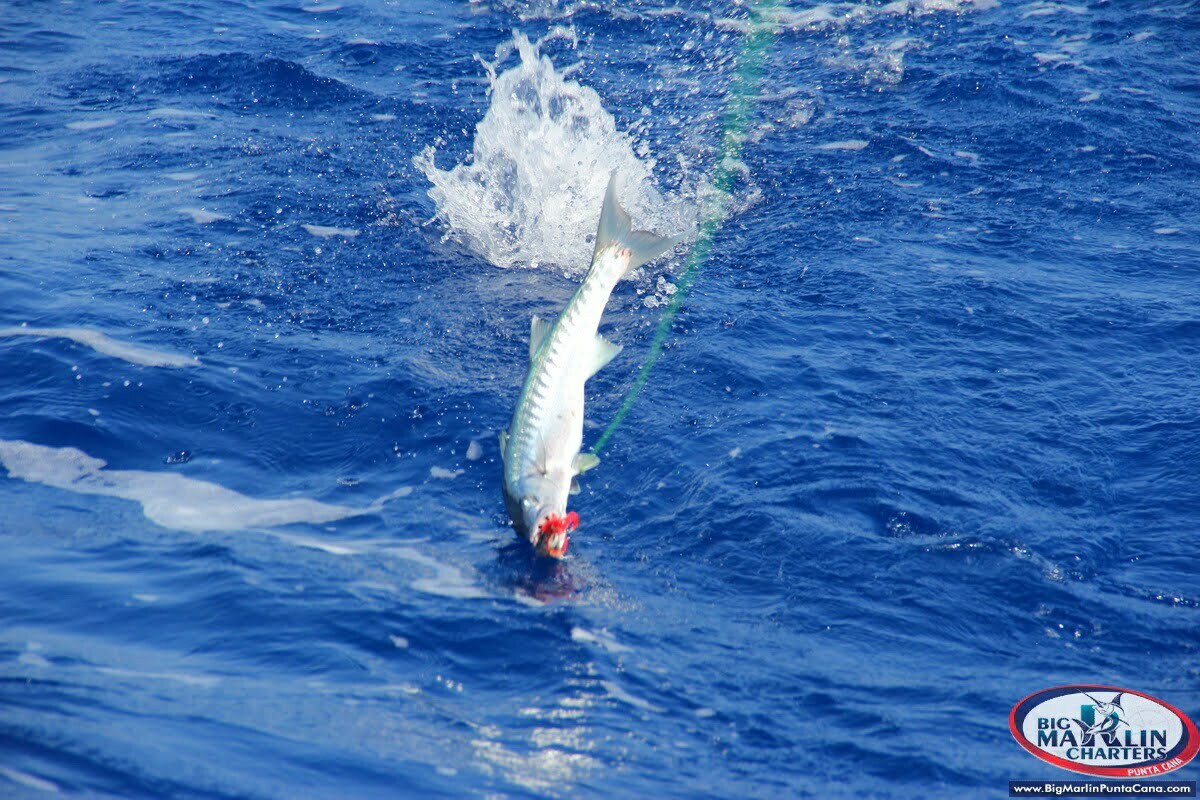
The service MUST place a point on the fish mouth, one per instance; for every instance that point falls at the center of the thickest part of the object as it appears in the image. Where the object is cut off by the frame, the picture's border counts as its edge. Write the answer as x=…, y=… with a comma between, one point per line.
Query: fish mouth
x=553, y=545
x=552, y=533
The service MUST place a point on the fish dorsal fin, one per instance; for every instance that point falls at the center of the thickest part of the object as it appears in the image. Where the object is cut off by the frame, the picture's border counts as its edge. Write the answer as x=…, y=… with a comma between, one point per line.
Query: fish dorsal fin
x=616, y=228
x=539, y=329
x=584, y=461
x=603, y=351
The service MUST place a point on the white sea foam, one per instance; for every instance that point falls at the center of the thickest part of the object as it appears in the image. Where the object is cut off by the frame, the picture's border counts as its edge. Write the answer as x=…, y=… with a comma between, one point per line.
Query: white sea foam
x=103, y=343
x=602, y=638
x=849, y=144
x=324, y=545
x=326, y=232
x=531, y=191
x=91, y=124
x=29, y=781
x=179, y=113
x=33, y=659
x=1045, y=9
x=202, y=216
x=840, y=15
x=188, y=679
x=446, y=581
x=168, y=499
x=617, y=693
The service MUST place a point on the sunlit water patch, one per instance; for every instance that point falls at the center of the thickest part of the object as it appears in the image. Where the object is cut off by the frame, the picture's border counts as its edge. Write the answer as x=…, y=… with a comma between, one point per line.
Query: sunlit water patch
x=170, y=500
x=103, y=343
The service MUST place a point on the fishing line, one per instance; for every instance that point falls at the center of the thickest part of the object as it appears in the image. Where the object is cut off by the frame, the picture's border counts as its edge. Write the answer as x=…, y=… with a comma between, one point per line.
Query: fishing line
x=742, y=93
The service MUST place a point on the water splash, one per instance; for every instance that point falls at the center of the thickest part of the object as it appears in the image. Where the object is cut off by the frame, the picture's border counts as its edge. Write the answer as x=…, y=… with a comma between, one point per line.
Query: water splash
x=530, y=193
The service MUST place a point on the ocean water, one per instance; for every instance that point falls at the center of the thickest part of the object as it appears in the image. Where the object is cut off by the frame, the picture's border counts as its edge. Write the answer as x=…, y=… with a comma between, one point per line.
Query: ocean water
x=924, y=438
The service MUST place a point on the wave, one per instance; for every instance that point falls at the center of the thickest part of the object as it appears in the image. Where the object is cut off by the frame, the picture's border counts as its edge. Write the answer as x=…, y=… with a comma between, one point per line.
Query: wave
x=251, y=81
x=103, y=343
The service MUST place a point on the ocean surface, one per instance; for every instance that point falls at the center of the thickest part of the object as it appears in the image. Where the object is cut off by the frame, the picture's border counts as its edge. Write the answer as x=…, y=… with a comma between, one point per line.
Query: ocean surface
x=924, y=439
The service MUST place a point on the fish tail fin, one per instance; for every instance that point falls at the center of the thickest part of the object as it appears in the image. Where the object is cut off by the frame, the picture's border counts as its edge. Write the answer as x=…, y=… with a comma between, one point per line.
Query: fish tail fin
x=616, y=229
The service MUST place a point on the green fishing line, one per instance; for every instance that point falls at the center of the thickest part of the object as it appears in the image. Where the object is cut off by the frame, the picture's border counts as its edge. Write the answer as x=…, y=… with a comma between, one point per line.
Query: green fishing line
x=743, y=92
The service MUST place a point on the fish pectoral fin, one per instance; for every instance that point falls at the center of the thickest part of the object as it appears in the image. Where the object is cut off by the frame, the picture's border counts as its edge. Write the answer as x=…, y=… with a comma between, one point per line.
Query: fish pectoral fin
x=575, y=486
x=583, y=462
x=539, y=329
x=503, y=444
x=603, y=351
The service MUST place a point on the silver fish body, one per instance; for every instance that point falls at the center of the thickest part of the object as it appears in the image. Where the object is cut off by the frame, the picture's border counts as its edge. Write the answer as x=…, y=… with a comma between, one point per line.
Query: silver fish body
x=541, y=448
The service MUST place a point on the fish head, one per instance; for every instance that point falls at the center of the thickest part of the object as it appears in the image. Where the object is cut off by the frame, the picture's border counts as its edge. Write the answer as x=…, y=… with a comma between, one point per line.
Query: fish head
x=550, y=534
x=545, y=520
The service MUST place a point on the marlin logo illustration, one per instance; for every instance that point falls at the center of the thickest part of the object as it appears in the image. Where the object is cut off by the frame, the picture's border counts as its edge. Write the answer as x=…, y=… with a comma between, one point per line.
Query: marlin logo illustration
x=1101, y=718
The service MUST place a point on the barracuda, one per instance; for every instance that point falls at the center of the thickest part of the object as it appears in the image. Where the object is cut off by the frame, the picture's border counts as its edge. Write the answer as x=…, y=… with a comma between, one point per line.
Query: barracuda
x=541, y=446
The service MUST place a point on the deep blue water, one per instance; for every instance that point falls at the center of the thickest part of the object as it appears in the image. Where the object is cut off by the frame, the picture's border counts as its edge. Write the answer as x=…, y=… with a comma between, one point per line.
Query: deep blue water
x=924, y=439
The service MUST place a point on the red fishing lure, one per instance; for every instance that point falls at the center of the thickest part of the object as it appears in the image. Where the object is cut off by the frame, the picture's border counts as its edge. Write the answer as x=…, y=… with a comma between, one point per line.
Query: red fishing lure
x=555, y=524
